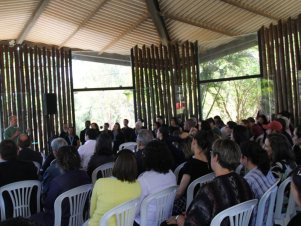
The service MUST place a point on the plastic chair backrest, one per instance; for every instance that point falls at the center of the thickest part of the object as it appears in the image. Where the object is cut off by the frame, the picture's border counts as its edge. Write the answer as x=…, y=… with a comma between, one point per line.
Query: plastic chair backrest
x=163, y=200
x=239, y=215
x=268, y=199
x=177, y=170
x=280, y=217
x=124, y=214
x=199, y=181
x=128, y=145
x=20, y=194
x=77, y=199
x=106, y=171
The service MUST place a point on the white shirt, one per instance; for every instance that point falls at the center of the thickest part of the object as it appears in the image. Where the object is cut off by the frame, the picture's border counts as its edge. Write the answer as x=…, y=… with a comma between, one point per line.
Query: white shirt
x=152, y=182
x=85, y=152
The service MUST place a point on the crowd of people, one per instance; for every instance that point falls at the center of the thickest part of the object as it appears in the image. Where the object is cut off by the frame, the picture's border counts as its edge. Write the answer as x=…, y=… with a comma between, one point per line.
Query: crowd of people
x=268, y=151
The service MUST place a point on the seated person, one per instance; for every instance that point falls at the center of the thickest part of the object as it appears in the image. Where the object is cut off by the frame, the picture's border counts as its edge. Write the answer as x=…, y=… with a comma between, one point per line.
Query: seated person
x=69, y=161
x=157, y=177
x=225, y=190
x=296, y=190
x=25, y=152
x=111, y=192
x=12, y=169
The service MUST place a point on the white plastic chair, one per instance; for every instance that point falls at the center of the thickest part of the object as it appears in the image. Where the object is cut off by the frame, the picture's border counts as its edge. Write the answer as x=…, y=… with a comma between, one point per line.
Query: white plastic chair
x=177, y=170
x=77, y=199
x=280, y=217
x=199, y=181
x=20, y=194
x=239, y=215
x=163, y=200
x=106, y=171
x=268, y=199
x=124, y=214
x=128, y=145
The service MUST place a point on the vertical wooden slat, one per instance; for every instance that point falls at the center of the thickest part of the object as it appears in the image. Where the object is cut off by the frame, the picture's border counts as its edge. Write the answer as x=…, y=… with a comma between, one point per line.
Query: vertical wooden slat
x=63, y=86
x=188, y=76
x=142, y=86
x=54, y=120
x=12, y=82
x=155, y=75
x=184, y=80
x=71, y=86
x=147, y=72
x=295, y=59
x=22, y=85
x=277, y=75
x=68, y=87
x=194, y=82
x=133, y=62
x=3, y=110
x=173, y=77
x=137, y=83
x=28, y=89
x=168, y=71
x=159, y=75
x=151, y=87
x=163, y=80
x=8, y=83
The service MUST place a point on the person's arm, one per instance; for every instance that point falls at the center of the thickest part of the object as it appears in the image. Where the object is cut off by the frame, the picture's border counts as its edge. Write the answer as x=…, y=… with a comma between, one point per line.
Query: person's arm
x=183, y=185
x=94, y=198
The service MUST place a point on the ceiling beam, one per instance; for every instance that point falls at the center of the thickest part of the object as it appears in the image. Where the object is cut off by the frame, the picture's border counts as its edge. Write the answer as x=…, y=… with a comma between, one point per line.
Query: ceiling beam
x=234, y=46
x=33, y=19
x=250, y=9
x=130, y=29
x=154, y=11
x=83, y=23
x=202, y=25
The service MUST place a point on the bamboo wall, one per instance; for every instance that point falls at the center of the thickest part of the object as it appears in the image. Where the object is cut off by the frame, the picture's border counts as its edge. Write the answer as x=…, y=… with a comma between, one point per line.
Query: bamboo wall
x=27, y=72
x=280, y=60
x=164, y=76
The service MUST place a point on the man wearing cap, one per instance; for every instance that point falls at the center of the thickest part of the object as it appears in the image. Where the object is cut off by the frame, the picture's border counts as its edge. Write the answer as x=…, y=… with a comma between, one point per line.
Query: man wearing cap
x=273, y=127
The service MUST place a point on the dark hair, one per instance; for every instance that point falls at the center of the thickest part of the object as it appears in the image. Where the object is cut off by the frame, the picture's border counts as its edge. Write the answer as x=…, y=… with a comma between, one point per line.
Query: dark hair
x=286, y=114
x=125, y=167
x=175, y=119
x=164, y=131
x=205, y=125
x=298, y=131
x=282, y=122
x=157, y=157
x=104, y=145
x=96, y=125
x=281, y=148
x=205, y=140
x=118, y=127
x=19, y=221
x=92, y=134
x=24, y=141
x=210, y=120
x=228, y=153
x=8, y=150
x=264, y=118
x=257, y=155
x=231, y=124
x=251, y=119
x=240, y=134
x=68, y=158
x=296, y=178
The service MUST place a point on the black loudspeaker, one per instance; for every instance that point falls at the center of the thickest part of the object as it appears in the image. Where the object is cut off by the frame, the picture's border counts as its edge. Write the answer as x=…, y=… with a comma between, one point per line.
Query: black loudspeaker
x=49, y=104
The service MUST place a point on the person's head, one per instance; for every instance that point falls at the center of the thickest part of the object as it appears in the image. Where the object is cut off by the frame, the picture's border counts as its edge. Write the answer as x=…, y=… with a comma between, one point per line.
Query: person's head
x=56, y=144
x=91, y=134
x=71, y=131
x=273, y=127
x=202, y=142
x=87, y=124
x=8, y=150
x=252, y=154
x=162, y=133
x=156, y=125
x=296, y=185
x=240, y=134
x=278, y=148
x=225, y=155
x=174, y=121
x=116, y=127
x=24, y=141
x=106, y=126
x=244, y=122
x=144, y=137
x=65, y=127
x=157, y=157
x=138, y=125
x=68, y=158
x=160, y=120
x=205, y=125
x=125, y=167
x=297, y=135
x=104, y=144
x=13, y=120
x=18, y=221
x=95, y=126
x=262, y=119
x=218, y=120
x=251, y=121
x=188, y=124
x=211, y=122
x=125, y=122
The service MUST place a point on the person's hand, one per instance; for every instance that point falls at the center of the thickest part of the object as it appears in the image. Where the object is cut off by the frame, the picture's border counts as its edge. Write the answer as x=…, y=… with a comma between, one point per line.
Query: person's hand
x=17, y=133
x=171, y=220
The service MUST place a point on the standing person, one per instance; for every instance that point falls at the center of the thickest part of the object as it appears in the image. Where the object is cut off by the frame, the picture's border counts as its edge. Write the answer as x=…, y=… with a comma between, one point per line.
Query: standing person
x=296, y=191
x=64, y=131
x=86, y=151
x=297, y=144
x=157, y=177
x=209, y=200
x=110, y=192
x=118, y=137
x=69, y=161
x=129, y=133
x=83, y=132
x=72, y=139
x=13, y=131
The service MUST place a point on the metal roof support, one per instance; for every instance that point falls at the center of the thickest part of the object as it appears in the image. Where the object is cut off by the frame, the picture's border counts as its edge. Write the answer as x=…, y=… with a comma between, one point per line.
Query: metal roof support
x=31, y=22
x=154, y=11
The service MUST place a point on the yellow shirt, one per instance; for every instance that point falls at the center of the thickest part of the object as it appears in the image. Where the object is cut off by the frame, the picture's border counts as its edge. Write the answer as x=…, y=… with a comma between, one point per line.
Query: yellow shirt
x=109, y=193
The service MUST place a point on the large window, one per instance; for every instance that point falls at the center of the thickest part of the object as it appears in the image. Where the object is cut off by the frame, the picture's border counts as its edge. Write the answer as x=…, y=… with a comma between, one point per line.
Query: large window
x=231, y=86
x=102, y=93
